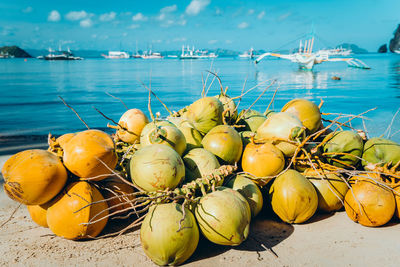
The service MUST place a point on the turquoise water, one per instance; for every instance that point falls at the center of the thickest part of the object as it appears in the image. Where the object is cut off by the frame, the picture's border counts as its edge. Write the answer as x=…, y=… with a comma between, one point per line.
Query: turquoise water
x=29, y=103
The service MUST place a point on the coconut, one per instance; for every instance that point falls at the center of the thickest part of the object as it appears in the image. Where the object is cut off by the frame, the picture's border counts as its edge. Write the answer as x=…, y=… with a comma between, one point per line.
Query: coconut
x=249, y=190
x=347, y=142
x=132, y=122
x=380, y=151
x=330, y=188
x=156, y=167
x=33, y=177
x=90, y=154
x=168, y=236
x=224, y=217
x=192, y=135
x=225, y=143
x=38, y=214
x=163, y=132
x=78, y=212
x=397, y=198
x=262, y=160
x=284, y=129
x=308, y=113
x=205, y=114
x=369, y=204
x=118, y=195
x=230, y=111
x=293, y=197
x=252, y=119
x=198, y=163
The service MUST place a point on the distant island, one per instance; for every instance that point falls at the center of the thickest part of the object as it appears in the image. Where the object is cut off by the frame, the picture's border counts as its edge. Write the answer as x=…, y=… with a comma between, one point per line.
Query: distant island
x=14, y=51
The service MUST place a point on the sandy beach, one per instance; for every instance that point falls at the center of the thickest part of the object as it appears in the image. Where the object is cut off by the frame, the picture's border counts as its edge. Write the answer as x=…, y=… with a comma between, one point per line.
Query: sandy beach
x=326, y=240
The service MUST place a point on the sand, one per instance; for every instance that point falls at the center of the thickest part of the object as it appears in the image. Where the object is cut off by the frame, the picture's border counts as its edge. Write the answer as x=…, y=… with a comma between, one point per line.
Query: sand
x=327, y=240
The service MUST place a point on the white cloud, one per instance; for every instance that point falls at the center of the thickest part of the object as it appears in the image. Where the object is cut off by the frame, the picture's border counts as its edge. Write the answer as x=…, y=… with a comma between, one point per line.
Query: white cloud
x=134, y=26
x=94, y=36
x=108, y=16
x=161, y=17
x=168, y=23
x=196, y=6
x=76, y=15
x=86, y=23
x=125, y=34
x=250, y=12
x=243, y=25
x=139, y=17
x=28, y=9
x=168, y=9
x=182, y=22
x=228, y=41
x=261, y=15
x=212, y=41
x=54, y=16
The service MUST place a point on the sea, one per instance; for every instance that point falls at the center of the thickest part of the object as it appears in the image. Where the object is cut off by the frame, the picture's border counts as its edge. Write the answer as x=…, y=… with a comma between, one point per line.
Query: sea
x=31, y=90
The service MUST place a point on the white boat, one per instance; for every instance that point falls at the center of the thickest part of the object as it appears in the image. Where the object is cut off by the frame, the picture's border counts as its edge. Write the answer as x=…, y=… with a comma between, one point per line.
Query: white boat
x=151, y=55
x=248, y=54
x=397, y=51
x=306, y=58
x=188, y=53
x=5, y=55
x=59, y=55
x=116, y=55
x=339, y=51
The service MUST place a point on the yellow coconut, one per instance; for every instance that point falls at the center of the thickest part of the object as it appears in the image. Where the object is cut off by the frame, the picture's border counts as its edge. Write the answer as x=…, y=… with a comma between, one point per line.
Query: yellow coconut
x=38, y=214
x=262, y=160
x=90, y=154
x=331, y=188
x=293, y=197
x=133, y=122
x=369, y=204
x=307, y=111
x=33, y=177
x=69, y=214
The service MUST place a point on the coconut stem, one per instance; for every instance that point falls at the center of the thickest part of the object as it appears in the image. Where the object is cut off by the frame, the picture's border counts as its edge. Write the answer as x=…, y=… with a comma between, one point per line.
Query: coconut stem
x=120, y=100
x=76, y=113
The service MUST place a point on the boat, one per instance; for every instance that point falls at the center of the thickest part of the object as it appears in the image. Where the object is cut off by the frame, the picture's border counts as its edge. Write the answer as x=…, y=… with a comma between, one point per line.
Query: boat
x=116, y=55
x=188, y=53
x=307, y=59
x=339, y=51
x=5, y=55
x=248, y=54
x=151, y=55
x=59, y=55
x=396, y=51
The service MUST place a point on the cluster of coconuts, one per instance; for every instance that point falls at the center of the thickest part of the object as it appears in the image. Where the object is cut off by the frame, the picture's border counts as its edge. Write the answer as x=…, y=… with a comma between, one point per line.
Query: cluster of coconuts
x=59, y=185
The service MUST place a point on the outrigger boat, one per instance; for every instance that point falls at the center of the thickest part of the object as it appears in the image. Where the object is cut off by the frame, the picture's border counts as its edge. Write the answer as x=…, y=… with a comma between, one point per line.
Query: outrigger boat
x=306, y=58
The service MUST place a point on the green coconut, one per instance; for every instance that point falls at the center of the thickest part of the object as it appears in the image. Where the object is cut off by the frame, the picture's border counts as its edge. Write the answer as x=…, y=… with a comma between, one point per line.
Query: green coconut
x=225, y=143
x=156, y=167
x=168, y=236
x=224, y=217
x=343, y=148
x=192, y=135
x=205, y=113
x=199, y=162
x=249, y=190
x=293, y=197
x=252, y=119
x=380, y=151
x=331, y=188
x=284, y=129
x=163, y=132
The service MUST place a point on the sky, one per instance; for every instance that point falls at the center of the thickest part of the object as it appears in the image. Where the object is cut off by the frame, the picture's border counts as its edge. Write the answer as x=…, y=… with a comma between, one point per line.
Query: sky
x=169, y=24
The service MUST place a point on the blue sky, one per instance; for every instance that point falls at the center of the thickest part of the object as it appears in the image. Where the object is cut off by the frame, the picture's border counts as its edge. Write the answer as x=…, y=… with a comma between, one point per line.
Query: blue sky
x=166, y=24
